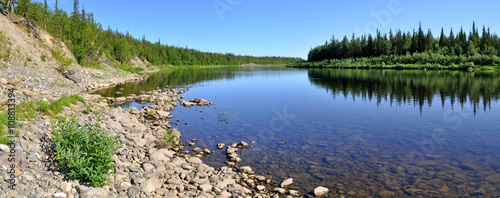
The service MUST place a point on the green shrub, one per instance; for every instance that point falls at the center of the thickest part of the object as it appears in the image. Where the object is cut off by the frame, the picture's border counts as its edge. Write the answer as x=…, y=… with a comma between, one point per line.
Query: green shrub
x=85, y=152
x=61, y=58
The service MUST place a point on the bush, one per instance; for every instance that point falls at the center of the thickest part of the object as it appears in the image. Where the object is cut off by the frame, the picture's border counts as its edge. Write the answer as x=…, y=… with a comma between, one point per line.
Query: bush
x=60, y=57
x=85, y=152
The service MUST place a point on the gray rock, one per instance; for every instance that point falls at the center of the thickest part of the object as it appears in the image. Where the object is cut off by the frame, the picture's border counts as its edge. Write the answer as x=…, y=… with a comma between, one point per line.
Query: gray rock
x=167, y=153
x=280, y=190
x=134, y=169
x=195, y=160
x=205, y=187
x=260, y=178
x=287, y=182
x=158, y=156
x=220, y=146
x=148, y=187
x=148, y=167
x=174, y=181
x=224, y=194
x=163, y=145
x=27, y=177
x=4, y=148
x=260, y=187
x=246, y=169
x=320, y=191
x=32, y=158
x=294, y=193
x=123, y=186
x=95, y=193
x=115, y=125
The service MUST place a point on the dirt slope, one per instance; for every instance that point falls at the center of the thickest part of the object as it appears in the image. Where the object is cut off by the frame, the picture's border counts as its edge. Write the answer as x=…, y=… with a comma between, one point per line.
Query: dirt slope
x=30, y=68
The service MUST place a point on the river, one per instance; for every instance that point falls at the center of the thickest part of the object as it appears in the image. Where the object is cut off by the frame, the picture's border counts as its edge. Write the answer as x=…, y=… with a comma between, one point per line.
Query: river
x=357, y=132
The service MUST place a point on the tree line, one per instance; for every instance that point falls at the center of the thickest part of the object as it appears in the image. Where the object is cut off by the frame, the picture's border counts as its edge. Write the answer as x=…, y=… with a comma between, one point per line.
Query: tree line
x=415, y=47
x=91, y=43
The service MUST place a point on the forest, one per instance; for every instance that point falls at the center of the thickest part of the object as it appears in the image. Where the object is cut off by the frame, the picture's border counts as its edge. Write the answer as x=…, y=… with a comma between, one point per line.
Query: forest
x=92, y=44
x=415, y=49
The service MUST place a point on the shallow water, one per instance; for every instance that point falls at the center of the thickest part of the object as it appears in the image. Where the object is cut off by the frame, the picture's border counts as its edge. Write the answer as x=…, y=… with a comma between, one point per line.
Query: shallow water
x=357, y=132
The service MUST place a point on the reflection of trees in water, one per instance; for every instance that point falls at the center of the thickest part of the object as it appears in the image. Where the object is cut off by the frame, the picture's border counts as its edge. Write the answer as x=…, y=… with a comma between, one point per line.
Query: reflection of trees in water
x=184, y=76
x=411, y=86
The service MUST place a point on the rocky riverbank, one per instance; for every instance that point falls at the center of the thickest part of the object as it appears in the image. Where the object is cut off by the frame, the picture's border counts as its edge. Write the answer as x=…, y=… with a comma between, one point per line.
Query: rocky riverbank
x=146, y=166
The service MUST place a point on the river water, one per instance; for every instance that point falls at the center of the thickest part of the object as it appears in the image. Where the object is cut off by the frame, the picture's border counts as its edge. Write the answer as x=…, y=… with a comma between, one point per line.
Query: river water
x=360, y=133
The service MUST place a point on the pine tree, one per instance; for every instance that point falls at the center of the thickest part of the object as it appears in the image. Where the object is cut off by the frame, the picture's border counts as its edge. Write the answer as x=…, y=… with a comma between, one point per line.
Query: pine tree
x=429, y=41
x=451, y=39
x=420, y=45
x=443, y=41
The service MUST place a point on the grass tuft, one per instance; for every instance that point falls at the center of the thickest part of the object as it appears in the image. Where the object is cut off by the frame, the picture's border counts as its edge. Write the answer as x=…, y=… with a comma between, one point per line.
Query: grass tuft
x=169, y=137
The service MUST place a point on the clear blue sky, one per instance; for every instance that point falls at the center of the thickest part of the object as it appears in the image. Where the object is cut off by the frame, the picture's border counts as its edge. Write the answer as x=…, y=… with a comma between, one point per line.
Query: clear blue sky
x=280, y=27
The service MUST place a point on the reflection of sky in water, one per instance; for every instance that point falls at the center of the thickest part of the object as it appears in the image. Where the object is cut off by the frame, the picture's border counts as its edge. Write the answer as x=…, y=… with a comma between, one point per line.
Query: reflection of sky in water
x=302, y=130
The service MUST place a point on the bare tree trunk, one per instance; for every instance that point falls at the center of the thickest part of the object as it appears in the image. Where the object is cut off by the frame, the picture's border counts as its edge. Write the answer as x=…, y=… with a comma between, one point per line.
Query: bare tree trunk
x=11, y=6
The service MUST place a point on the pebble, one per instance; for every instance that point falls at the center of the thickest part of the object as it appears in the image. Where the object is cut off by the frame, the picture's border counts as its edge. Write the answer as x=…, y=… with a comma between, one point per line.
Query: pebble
x=60, y=195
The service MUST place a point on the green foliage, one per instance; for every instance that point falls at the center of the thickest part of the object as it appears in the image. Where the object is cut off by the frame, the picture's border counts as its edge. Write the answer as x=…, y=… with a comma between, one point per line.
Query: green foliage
x=3, y=127
x=413, y=61
x=87, y=110
x=92, y=64
x=88, y=41
x=122, y=50
x=61, y=58
x=418, y=48
x=44, y=57
x=29, y=109
x=57, y=106
x=132, y=69
x=169, y=137
x=86, y=152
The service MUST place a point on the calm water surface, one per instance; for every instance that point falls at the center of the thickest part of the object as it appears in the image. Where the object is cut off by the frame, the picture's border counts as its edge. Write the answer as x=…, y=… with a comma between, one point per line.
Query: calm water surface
x=357, y=132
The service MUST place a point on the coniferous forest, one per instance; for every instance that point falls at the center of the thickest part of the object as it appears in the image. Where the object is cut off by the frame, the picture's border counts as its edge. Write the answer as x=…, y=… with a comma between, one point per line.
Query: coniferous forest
x=417, y=49
x=91, y=43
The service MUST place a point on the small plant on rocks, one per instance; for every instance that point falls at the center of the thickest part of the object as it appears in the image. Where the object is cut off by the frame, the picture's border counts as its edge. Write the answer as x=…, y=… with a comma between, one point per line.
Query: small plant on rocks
x=169, y=137
x=85, y=152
